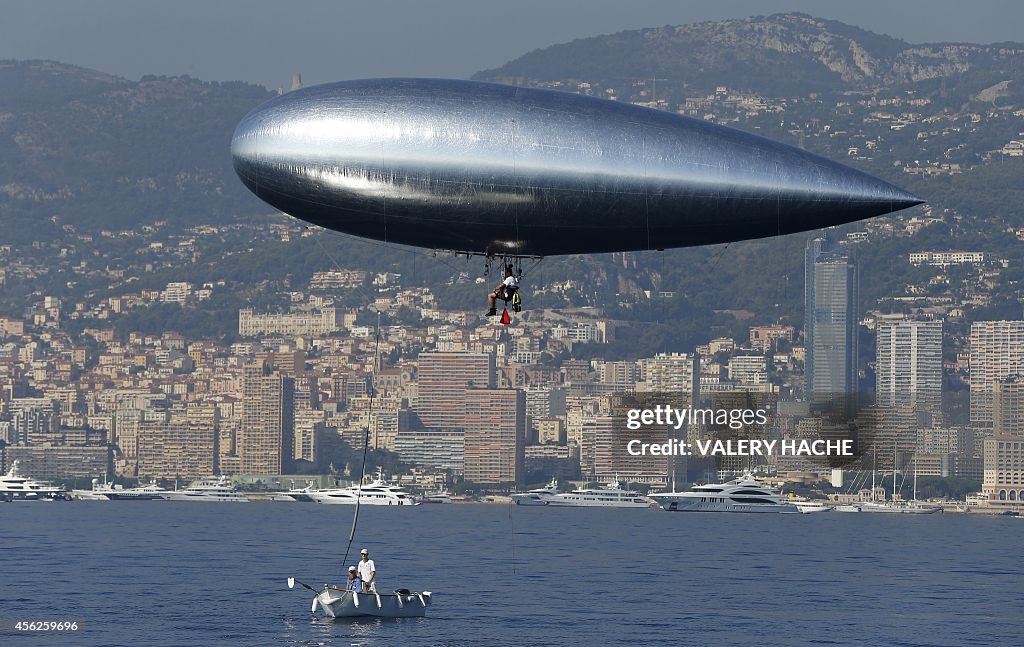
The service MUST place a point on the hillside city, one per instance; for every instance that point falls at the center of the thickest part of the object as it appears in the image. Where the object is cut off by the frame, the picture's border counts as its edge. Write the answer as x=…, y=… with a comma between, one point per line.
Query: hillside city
x=161, y=352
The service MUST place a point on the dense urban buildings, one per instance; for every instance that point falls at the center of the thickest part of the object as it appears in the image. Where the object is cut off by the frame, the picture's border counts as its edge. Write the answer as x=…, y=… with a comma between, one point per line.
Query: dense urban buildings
x=445, y=395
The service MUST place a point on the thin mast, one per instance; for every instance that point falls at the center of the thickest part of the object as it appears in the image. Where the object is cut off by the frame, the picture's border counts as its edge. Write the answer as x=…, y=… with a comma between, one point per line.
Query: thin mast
x=915, y=476
x=894, y=471
x=874, y=461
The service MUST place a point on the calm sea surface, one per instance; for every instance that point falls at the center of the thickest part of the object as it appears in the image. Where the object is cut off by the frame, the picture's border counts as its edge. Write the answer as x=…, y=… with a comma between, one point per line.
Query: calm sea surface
x=167, y=573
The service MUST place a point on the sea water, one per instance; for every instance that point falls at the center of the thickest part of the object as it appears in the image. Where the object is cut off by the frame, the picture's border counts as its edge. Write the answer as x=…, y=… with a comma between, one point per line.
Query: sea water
x=193, y=573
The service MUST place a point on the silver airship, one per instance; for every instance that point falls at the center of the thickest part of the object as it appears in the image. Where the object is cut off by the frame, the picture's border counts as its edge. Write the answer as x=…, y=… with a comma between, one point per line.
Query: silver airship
x=497, y=169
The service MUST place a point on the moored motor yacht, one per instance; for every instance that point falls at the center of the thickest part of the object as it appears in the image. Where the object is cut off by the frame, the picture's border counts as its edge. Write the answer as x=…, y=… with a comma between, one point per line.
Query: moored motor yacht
x=808, y=506
x=378, y=492
x=537, y=496
x=441, y=496
x=610, y=495
x=212, y=490
x=743, y=494
x=114, y=492
x=896, y=507
x=14, y=486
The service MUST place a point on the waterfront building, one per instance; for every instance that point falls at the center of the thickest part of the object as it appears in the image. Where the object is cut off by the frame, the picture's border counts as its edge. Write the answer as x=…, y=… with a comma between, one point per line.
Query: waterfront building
x=182, y=445
x=495, y=425
x=266, y=436
x=1004, y=471
x=997, y=352
x=54, y=461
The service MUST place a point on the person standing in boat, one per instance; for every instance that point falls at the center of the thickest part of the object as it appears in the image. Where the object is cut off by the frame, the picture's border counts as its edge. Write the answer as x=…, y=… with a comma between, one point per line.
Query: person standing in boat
x=368, y=572
x=355, y=583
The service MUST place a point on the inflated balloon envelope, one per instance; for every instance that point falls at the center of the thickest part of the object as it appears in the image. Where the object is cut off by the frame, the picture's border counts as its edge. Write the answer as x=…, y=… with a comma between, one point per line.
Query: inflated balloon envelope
x=484, y=168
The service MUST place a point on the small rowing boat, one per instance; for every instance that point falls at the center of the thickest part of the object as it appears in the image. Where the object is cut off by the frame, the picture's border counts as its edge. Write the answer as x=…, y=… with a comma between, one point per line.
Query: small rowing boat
x=401, y=604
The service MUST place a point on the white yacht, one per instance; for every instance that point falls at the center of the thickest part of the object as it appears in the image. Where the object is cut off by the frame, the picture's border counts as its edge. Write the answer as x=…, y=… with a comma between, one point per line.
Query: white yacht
x=894, y=507
x=109, y=492
x=376, y=493
x=743, y=494
x=812, y=506
x=809, y=506
x=441, y=496
x=538, y=496
x=93, y=494
x=213, y=490
x=300, y=494
x=16, y=487
x=609, y=495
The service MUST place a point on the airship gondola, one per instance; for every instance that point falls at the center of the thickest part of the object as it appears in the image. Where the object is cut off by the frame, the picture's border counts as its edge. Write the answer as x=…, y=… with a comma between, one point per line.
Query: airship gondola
x=485, y=168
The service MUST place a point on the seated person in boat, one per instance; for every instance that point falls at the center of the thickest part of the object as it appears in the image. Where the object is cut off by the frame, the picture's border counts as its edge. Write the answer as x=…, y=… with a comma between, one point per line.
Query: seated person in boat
x=355, y=583
x=368, y=572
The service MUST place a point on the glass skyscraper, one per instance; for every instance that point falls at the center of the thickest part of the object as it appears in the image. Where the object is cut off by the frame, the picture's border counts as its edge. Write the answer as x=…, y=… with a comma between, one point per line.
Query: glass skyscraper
x=831, y=292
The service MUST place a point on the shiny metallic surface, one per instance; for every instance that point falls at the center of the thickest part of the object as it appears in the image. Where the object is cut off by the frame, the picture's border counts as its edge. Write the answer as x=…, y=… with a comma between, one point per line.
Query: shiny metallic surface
x=482, y=167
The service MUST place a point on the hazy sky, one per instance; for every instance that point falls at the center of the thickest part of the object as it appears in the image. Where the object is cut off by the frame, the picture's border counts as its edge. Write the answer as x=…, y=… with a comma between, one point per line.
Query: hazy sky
x=264, y=41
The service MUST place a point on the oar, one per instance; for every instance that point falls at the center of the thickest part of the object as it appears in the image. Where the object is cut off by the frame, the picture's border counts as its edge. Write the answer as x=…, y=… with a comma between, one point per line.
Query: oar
x=291, y=584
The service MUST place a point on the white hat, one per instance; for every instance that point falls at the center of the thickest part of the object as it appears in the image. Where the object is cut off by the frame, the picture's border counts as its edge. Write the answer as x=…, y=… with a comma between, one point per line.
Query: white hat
x=364, y=552
x=351, y=568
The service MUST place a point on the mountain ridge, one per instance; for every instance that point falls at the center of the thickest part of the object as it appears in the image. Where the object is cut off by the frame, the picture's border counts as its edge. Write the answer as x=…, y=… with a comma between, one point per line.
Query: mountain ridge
x=84, y=152
x=101, y=150
x=790, y=51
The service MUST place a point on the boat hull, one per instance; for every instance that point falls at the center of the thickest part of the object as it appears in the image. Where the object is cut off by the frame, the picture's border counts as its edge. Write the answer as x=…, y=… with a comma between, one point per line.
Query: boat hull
x=178, y=496
x=814, y=509
x=87, y=495
x=527, y=499
x=688, y=505
x=556, y=503
x=133, y=496
x=349, y=604
x=351, y=500
x=896, y=509
x=36, y=495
